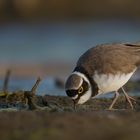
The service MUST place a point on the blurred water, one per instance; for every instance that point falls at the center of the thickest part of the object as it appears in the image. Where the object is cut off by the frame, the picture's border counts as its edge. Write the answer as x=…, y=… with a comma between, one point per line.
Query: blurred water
x=43, y=42
x=46, y=87
x=58, y=41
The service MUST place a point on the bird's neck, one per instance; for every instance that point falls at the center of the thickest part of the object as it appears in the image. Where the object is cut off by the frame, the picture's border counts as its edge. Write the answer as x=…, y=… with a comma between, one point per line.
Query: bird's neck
x=84, y=73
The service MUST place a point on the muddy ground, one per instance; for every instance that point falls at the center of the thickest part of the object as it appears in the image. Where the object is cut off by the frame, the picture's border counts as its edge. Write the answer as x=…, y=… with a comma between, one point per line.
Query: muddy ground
x=54, y=118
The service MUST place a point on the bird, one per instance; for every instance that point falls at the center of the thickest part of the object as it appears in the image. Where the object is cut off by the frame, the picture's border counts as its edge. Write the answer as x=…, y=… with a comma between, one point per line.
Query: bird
x=103, y=69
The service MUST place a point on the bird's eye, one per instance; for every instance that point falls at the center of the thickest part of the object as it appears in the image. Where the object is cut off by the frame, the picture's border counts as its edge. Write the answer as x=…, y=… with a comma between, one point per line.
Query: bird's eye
x=80, y=90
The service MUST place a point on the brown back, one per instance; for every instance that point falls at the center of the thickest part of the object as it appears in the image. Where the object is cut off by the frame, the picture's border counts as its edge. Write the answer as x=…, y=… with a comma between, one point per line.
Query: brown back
x=111, y=58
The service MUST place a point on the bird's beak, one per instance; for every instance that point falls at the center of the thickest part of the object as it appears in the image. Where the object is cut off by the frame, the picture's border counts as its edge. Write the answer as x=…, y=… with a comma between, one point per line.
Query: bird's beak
x=75, y=103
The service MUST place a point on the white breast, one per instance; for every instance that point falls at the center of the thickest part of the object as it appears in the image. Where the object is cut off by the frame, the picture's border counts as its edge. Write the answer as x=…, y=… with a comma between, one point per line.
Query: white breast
x=110, y=82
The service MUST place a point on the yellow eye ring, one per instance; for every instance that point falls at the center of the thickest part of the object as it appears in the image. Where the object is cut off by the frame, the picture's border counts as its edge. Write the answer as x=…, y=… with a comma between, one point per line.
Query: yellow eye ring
x=80, y=90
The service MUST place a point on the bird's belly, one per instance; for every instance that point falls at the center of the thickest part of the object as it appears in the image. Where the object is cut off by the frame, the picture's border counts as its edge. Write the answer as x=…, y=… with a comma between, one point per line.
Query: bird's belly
x=110, y=82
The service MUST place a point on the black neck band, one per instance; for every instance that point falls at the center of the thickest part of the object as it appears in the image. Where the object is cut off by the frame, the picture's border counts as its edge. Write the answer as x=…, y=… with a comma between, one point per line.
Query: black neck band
x=92, y=82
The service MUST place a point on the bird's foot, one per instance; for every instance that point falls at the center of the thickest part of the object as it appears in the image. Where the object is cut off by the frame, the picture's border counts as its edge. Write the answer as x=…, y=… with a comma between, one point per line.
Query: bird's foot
x=129, y=100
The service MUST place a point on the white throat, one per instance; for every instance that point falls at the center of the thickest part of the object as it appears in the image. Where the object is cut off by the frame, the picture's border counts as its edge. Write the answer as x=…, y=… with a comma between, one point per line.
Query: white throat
x=88, y=94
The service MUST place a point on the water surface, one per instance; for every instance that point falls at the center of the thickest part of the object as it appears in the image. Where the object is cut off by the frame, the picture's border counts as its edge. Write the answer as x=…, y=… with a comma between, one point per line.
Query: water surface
x=58, y=42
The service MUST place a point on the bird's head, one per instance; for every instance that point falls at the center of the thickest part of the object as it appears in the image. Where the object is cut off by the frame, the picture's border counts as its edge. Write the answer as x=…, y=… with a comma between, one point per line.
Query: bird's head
x=78, y=88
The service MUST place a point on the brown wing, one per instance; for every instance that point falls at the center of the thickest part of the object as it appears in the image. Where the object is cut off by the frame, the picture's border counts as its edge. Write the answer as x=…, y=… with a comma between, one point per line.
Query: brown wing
x=111, y=58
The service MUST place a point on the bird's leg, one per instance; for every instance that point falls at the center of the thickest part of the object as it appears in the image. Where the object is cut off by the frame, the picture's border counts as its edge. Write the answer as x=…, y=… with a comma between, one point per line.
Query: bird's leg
x=128, y=98
x=114, y=100
x=128, y=95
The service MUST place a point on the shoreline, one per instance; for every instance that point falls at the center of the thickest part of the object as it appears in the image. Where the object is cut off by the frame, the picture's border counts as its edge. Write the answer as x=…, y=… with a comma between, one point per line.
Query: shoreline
x=48, y=103
x=24, y=70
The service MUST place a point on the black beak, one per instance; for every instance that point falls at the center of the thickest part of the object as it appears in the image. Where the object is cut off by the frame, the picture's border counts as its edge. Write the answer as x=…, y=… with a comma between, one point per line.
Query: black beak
x=75, y=103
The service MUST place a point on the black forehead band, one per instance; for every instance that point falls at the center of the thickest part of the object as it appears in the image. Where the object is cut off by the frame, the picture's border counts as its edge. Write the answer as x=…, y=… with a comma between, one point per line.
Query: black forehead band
x=71, y=93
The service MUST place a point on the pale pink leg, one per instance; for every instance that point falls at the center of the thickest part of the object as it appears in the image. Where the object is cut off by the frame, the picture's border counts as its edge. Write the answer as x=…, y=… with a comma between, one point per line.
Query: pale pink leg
x=128, y=98
x=114, y=100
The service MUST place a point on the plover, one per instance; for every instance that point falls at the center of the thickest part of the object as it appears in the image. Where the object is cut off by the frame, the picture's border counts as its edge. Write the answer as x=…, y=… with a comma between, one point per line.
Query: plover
x=103, y=69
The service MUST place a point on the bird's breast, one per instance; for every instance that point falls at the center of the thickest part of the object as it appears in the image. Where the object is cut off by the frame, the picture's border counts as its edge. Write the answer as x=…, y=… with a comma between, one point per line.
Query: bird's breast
x=111, y=82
